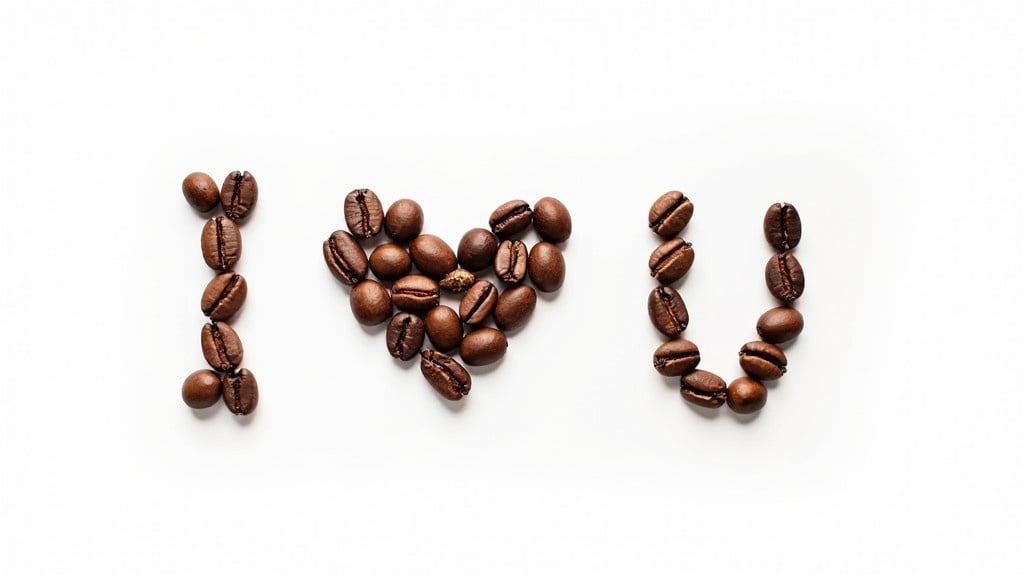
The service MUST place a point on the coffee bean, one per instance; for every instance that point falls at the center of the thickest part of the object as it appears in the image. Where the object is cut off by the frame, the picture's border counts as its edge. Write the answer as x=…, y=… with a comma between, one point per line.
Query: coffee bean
x=746, y=395
x=240, y=392
x=551, y=220
x=510, y=218
x=782, y=227
x=221, y=346
x=390, y=261
x=546, y=267
x=432, y=256
x=670, y=214
x=477, y=249
x=345, y=257
x=446, y=375
x=224, y=295
x=363, y=213
x=405, y=335
x=444, y=328
x=458, y=280
x=483, y=346
x=478, y=302
x=415, y=292
x=238, y=195
x=671, y=260
x=667, y=311
x=201, y=389
x=515, y=306
x=510, y=261
x=762, y=360
x=676, y=357
x=221, y=243
x=404, y=220
x=780, y=324
x=785, y=277
x=200, y=191
x=370, y=302
x=703, y=388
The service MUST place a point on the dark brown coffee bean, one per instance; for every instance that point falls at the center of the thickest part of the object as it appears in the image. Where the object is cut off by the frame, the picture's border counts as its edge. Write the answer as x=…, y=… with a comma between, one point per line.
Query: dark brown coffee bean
x=676, y=357
x=703, y=388
x=432, y=256
x=667, y=311
x=546, y=267
x=370, y=302
x=221, y=346
x=415, y=292
x=405, y=335
x=785, y=277
x=345, y=257
x=746, y=395
x=782, y=227
x=762, y=360
x=221, y=243
x=510, y=218
x=780, y=324
x=224, y=295
x=200, y=191
x=201, y=389
x=240, y=392
x=404, y=220
x=390, y=261
x=515, y=306
x=483, y=346
x=477, y=249
x=457, y=280
x=671, y=260
x=551, y=220
x=510, y=261
x=446, y=375
x=444, y=328
x=670, y=214
x=364, y=214
x=238, y=195
x=478, y=302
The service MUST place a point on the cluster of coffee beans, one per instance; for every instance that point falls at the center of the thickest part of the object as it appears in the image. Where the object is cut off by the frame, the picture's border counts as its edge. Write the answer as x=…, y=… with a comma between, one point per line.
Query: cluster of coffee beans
x=419, y=267
x=761, y=359
x=221, y=243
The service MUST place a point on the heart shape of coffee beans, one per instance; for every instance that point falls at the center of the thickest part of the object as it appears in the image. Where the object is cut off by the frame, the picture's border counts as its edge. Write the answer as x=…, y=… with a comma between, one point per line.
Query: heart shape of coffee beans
x=414, y=272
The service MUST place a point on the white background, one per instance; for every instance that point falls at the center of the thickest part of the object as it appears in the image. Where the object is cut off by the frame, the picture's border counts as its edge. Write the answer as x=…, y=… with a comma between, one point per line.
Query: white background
x=894, y=445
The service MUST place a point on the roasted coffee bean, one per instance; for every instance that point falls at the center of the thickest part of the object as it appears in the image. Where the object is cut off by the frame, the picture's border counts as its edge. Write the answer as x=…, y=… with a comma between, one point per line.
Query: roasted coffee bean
x=405, y=335
x=762, y=360
x=390, y=261
x=510, y=261
x=200, y=191
x=669, y=214
x=432, y=256
x=780, y=324
x=404, y=220
x=240, y=392
x=345, y=257
x=224, y=295
x=446, y=375
x=676, y=357
x=458, y=280
x=703, y=388
x=415, y=292
x=238, y=195
x=515, y=306
x=483, y=346
x=546, y=267
x=444, y=328
x=785, y=277
x=477, y=249
x=782, y=227
x=201, y=389
x=363, y=213
x=671, y=260
x=551, y=220
x=478, y=302
x=510, y=218
x=221, y=346
x=221, y=243
x=746, y=395
x=667, y=311
x=370, y=302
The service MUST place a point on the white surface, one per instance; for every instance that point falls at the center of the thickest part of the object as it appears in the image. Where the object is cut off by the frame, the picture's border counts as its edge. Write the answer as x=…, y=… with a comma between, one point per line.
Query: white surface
x=894, y=445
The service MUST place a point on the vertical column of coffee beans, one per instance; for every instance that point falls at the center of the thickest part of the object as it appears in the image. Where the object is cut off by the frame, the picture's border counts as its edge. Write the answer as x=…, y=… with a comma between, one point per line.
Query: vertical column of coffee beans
x=221, y=244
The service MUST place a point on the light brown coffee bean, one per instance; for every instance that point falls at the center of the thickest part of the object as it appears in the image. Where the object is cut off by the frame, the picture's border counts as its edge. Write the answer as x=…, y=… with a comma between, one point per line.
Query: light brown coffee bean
x=224, y=296
x=238, y=195
x=221, y=345
x=444, y=328
x=200, y=191
x=746, y=395
x=221, y=243
x=671, y=260
x=510, y=261
x=667, y=311
x=762, y=360
x=703, y=388
x=201, y=389
x=370, y=302
x=670, y=214
x=415, y=292
x=241, y=394
x=515, y=306
x=478, y=302
x=447, y=376
x=364, y=214
x=546, y=267
x=780, y=324
x=458, y=280
x=432, y=256
x=483, y=346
